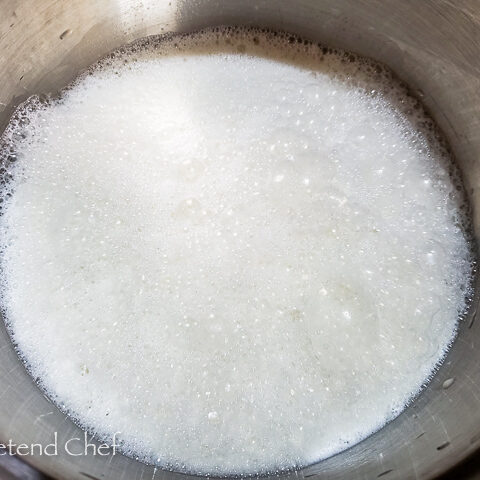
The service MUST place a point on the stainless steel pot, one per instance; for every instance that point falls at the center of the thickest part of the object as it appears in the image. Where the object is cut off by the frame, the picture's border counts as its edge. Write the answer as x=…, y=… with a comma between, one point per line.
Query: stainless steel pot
x=434, y=45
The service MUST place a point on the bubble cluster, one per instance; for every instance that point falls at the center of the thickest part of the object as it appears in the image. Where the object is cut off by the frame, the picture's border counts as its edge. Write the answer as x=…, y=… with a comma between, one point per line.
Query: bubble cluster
x=242, y=250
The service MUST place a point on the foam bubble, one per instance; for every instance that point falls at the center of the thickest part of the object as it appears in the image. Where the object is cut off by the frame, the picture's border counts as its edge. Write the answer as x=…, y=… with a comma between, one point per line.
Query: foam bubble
x=243, y=250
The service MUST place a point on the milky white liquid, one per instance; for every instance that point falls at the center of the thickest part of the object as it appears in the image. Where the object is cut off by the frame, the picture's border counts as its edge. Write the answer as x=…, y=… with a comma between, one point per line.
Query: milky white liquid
x=241, y=264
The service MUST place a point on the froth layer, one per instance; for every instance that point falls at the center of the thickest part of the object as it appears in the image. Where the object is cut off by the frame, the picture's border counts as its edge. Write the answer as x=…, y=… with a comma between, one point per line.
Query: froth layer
x=243, y=251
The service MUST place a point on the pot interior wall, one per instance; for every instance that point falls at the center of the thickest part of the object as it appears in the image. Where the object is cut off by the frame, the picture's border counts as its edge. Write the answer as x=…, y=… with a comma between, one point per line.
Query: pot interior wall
x=433, y=45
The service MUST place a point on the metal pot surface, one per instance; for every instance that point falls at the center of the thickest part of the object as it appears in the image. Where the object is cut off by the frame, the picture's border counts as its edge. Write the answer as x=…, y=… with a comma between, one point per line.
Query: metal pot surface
x=433, y=45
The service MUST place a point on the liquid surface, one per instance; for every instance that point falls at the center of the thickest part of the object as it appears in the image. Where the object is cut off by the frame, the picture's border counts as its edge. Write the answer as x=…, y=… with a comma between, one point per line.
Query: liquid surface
x=241, y=264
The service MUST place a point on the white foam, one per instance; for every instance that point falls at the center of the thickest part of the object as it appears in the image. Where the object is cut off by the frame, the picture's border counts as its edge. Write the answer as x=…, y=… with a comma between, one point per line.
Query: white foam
x=241, y=264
